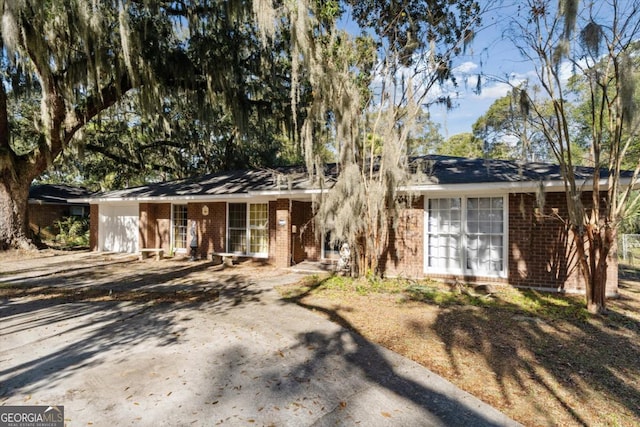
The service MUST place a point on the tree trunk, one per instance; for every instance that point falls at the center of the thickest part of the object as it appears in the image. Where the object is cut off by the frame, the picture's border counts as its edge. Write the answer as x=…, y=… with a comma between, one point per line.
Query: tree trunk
x=599, y=245
x=596, y=291
x=14, y=224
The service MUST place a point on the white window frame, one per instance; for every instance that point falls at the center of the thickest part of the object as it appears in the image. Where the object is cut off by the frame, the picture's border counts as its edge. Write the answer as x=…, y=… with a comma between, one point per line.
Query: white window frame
x=463, y=237
x=248, y=228
x=173, y=227
x=264, y=228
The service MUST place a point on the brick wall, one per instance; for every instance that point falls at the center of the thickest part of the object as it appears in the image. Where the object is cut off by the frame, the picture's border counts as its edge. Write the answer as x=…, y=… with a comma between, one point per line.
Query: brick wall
x=282, y=233
x=541, y=252
x=272, y=232
x=211, y=227
x=94, y=219
x=405, y=253
x=541, y=247
x=155, y=226
x=162, y=230
x=42, y=218
x=146, y=225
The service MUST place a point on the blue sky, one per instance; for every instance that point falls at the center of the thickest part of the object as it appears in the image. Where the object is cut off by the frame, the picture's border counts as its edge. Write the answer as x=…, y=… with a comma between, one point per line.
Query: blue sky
x=490, y=54
x=493, y=55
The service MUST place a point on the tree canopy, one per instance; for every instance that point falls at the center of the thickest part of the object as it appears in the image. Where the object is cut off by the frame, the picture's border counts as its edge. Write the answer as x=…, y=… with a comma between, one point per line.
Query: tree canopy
x=66, y=63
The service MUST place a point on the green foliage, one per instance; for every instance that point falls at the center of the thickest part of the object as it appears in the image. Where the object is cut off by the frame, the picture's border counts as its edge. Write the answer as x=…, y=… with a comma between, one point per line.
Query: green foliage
x=361, y=285
x=505, y=132
x=462, y=145
x=153, y=90
x=524, y=302
x=74, y=232
x=410, y=28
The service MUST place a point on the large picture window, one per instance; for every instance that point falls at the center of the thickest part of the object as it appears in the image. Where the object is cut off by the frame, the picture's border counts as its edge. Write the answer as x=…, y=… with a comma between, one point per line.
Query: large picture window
x=248, y=228
x=465, y=235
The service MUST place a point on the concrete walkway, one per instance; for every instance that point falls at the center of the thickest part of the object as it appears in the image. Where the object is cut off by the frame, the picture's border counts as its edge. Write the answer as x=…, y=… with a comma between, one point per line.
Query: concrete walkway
x=247, y=358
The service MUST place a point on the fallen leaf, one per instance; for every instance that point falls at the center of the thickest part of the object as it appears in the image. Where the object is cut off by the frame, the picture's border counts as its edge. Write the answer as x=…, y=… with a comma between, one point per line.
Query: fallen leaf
x=386, y=414
x=343, y=404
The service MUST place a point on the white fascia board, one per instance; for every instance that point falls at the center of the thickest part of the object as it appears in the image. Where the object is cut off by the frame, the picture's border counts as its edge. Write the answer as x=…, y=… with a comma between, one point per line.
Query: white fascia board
x=204, y=198
x=492, y=187
x=253, y=195
x=296, y=193
x=509, y=187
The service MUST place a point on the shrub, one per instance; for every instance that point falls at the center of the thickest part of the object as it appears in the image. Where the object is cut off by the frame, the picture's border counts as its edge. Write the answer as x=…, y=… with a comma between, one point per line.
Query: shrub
x=74, y=231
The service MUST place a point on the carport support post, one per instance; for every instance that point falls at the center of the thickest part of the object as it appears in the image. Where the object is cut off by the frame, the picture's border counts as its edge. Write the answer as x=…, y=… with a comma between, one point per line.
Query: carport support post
x=283, y=233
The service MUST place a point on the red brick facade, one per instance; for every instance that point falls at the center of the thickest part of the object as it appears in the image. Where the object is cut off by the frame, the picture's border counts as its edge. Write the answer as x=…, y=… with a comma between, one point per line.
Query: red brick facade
x=44, y=216
x=405, y=254
x=540, y=250
x=94, y=218
x=155, y=226
x=211, y=223
x=283, y=233
x=542, y=253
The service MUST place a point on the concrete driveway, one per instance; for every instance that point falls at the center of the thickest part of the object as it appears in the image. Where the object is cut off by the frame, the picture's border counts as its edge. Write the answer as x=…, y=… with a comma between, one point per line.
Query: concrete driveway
x=118, y=341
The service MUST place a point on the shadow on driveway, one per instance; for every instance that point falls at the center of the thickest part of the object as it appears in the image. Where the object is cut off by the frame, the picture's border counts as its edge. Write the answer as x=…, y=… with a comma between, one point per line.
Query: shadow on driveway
x=187, y=343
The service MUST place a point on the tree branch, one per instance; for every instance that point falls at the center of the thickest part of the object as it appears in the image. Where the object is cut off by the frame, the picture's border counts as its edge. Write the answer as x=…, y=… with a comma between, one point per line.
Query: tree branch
x=128, y=161
x=96, y=103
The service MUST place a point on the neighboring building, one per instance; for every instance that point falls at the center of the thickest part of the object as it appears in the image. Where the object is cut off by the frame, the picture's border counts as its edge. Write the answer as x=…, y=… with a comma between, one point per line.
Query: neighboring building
x=49, y=203
x=471, y=219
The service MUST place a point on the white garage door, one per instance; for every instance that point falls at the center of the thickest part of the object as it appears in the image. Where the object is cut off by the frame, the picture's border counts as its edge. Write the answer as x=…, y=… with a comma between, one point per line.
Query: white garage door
x=118, y=228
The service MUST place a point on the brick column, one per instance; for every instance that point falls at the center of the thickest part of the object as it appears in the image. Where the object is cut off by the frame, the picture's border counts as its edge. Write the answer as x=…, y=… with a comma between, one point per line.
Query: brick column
x=283, y=233
x=94, y=219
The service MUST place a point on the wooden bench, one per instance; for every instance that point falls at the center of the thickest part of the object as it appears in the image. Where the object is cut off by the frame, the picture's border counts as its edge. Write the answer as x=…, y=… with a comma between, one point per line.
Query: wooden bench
x=144, y=253
x=225, y=258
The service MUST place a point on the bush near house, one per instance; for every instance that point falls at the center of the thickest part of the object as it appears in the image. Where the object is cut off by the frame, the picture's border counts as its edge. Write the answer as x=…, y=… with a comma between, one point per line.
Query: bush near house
x=74, y=232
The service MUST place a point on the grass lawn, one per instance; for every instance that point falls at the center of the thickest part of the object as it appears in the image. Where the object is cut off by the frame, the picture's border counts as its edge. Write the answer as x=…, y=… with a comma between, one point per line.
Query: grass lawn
x=538, y=357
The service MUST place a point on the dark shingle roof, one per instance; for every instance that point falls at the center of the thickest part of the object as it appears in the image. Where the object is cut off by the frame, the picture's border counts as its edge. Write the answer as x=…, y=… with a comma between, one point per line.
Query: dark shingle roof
x=441, y=170
x=457, y=170
x=56, y=193
x=225, y=183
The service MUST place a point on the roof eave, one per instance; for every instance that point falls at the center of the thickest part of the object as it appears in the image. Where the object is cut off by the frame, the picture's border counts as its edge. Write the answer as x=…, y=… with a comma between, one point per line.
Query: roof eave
x=510, y=187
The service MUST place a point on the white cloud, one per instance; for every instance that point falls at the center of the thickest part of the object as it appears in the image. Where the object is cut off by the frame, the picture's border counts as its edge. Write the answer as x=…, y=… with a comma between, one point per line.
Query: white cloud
x=493, y=91
x=465, y=68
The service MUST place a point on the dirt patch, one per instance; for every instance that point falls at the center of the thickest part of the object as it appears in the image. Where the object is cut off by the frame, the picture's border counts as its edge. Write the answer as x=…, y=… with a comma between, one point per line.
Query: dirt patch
x=73, y=276
x=539, y=358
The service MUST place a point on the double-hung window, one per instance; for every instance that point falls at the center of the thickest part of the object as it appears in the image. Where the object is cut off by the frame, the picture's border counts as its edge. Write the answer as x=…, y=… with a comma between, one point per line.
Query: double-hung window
x=465, y=235
x=258, y=228
x=179, y=236
x=248, y=228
